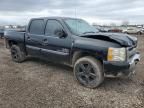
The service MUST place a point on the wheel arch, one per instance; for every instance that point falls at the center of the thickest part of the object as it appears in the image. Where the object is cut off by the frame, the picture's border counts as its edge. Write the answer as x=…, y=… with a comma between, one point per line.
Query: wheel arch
x=12, y=42
x=79, y=54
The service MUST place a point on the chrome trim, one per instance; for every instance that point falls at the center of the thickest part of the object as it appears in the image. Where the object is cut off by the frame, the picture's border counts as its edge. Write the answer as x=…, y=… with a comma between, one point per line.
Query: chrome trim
x=32, y=47
x=58, y=52
x=55, y=52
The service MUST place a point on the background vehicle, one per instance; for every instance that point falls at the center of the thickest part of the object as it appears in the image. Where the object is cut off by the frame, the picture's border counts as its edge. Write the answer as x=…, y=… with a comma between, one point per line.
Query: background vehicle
x=142, y=30
x=71, y=41
x=1, y=33
x=133, y=30
x=102, y=29
x=116, y=30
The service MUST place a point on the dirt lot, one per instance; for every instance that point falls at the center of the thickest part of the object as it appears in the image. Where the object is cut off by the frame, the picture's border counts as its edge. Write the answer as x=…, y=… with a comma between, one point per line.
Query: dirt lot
x=39, y=84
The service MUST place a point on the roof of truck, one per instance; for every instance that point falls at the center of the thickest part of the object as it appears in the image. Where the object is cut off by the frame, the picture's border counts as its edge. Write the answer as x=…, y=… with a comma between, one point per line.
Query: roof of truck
x=59, y=18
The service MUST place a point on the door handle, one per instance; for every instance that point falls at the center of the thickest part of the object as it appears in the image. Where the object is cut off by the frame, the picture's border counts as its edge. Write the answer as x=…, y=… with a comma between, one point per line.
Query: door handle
x=45, y=42
x=28, y=38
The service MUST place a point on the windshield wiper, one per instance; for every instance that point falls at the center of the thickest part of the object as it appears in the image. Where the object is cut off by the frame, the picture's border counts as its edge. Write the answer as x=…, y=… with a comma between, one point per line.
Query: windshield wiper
x=89, y=32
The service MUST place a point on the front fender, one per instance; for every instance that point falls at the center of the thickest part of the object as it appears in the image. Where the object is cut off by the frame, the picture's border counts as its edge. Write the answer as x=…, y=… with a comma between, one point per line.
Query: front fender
x=78, y=53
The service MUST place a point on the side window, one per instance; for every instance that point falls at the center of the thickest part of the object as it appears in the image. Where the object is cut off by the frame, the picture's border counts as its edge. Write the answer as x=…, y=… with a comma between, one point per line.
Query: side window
x=51, y=27
x=37, y=27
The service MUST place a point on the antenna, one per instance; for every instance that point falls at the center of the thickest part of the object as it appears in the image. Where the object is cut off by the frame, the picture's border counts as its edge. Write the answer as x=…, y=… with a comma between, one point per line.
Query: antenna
x=75, y=13
x=75, y=20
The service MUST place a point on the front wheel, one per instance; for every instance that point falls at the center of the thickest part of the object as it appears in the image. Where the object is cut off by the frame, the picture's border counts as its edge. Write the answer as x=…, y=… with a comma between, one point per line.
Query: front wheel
x=17, y=54
x=88, y=71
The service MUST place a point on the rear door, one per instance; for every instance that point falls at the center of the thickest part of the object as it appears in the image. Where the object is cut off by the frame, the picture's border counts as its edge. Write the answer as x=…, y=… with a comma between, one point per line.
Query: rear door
x=34, y=36
x=56, y=48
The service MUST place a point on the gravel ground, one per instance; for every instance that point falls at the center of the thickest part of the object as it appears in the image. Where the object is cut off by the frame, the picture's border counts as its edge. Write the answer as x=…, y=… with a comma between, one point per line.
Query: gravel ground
x=40, y=84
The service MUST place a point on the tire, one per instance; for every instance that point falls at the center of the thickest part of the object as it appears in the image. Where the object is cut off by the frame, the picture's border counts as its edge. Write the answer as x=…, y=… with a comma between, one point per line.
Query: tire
x=139, y=33
x=17, y=54
x=88, y=72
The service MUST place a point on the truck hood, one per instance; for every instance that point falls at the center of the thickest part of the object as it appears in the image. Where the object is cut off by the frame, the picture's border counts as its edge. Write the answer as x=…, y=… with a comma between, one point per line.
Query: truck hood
x=120, y=38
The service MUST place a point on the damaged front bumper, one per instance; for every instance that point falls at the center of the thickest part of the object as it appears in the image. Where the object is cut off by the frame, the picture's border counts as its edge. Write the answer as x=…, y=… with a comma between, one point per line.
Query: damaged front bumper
x=126, y=68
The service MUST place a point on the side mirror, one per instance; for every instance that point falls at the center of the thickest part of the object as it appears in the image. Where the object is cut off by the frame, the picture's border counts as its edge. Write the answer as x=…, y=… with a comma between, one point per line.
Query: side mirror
x=60, y=33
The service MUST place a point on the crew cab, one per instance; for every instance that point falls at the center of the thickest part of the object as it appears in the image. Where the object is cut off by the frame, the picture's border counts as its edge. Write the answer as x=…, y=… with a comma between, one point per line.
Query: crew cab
x=74, y=42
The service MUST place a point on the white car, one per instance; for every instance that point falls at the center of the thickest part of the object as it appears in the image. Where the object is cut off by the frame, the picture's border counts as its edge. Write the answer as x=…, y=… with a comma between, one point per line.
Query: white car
x=142, y=30
x=133, y=30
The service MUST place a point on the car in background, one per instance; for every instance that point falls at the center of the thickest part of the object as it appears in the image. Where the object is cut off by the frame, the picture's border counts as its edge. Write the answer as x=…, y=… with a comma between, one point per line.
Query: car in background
x=133, y=30
x=116, y=30
x=105, y=29
x=1, y=33
x=142, y=30
x=102, y=29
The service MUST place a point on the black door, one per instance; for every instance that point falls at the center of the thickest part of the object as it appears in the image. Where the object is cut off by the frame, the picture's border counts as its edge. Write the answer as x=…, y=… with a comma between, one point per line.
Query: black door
x=34, y=37
x=56, y=48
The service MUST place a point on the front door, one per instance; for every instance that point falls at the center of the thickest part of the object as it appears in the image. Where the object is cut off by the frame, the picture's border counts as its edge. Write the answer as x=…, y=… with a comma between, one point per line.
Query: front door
x=55, y=48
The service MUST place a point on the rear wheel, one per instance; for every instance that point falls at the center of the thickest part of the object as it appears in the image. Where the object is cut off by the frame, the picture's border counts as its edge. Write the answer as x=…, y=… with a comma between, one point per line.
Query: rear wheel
x=139, y=33
x=17, y=54
x=88, y=71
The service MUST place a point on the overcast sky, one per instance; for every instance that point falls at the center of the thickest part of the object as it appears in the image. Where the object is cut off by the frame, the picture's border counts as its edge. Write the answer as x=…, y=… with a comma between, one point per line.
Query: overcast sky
x=98, y=11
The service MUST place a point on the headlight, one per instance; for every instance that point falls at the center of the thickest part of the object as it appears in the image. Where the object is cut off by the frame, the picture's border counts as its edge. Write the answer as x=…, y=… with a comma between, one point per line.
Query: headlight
x=116, y=54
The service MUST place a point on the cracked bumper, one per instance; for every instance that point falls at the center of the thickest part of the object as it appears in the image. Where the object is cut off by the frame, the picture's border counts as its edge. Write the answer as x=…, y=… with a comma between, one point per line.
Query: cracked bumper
x=126, y=67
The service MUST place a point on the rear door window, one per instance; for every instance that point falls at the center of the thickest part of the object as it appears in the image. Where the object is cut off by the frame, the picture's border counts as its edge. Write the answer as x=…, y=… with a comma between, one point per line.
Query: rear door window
x=37, y=27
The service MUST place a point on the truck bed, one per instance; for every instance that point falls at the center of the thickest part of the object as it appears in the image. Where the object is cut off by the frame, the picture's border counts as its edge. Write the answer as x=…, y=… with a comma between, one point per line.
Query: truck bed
x=18, y=36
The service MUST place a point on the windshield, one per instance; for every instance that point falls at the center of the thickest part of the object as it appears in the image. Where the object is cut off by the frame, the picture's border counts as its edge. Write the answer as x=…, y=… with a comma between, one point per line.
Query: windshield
x=79, y=27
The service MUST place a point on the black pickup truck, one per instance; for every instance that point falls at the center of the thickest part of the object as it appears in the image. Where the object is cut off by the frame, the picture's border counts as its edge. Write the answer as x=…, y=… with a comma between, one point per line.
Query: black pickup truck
x=74, y=42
